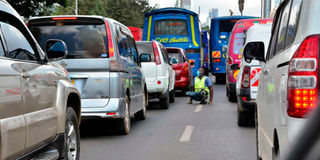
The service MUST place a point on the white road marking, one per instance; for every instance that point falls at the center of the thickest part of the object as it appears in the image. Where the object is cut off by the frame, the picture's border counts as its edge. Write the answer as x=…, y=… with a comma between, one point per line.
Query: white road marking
x=187, y=133
x=199, y=108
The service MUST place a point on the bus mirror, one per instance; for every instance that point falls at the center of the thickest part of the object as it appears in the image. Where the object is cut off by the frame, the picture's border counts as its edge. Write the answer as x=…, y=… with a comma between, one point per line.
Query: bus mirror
x=254, y=50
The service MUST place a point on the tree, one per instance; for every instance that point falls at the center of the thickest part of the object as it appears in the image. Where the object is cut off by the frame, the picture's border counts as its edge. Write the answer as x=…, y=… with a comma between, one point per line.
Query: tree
x=28, y=8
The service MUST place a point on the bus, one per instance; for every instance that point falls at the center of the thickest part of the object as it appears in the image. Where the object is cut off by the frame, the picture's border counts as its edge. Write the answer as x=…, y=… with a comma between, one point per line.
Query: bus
x=176, y=27
x=220, y=32
x=205, y=41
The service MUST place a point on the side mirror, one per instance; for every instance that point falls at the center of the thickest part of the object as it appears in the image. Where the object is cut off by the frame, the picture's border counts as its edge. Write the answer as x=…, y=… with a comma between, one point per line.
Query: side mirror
x=254, y=51
x=145, y=58
x=234, y=67
x=56, y=50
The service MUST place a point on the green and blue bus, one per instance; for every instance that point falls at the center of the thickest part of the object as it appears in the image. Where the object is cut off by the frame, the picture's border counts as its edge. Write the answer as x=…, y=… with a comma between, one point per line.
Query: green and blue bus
x=176, y=27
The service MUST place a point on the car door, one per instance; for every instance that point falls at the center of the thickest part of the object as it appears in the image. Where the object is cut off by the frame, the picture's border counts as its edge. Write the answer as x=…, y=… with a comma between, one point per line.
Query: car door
x=267, y=91
x=13, y=125
x=39, y=83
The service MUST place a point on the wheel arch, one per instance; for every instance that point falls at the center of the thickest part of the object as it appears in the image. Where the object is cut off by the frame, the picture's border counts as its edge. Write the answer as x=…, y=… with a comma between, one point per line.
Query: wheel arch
x=276, y=147
x=74, y=102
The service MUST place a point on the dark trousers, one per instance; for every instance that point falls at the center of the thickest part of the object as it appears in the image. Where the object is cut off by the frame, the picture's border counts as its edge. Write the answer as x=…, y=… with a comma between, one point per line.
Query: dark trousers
x=198, y=96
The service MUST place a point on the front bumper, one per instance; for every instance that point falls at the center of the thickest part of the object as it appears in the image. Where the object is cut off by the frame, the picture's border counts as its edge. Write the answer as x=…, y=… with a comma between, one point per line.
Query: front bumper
x=248, y=104
x=90, y=110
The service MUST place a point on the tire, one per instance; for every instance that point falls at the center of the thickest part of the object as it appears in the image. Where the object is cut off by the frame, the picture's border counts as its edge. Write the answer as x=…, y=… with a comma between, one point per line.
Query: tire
x=164, y=101
x=257, y=130
x=141, y=115
x=124, y=124
x=72, y=136
x=243, y=118
x=172, y=96
x=232, y=97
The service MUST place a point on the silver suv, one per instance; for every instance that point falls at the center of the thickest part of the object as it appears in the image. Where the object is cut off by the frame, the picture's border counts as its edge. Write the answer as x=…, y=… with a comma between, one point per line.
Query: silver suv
x=39, y=106
x=103, y=63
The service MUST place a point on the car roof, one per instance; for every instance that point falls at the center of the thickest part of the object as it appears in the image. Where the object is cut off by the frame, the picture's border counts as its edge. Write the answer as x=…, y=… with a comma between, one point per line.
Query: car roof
x=171, y=10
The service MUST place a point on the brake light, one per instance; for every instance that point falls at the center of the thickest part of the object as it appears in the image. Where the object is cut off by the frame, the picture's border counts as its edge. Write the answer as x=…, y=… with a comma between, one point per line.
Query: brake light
x=216, y=60
x=109, y=37
x=156, y=53
x=230, y=60
x=245, y=82
x=64, y=18
x=303, y=78
x=185, y=67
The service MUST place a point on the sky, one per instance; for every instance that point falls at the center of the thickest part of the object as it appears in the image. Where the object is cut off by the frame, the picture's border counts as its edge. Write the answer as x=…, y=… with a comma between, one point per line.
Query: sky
x=251, y=7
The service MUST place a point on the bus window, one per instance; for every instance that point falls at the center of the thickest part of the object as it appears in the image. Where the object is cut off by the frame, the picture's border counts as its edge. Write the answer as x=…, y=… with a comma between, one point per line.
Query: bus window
x=239, y=40
x=170, y=27
x=226, y=25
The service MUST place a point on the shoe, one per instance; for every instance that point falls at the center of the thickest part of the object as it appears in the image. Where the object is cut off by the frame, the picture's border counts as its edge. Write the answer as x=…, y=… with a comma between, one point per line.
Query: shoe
x=203, y=102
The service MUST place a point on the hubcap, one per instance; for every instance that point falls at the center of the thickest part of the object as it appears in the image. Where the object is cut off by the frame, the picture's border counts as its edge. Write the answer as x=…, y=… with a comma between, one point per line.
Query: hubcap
x=71, y=141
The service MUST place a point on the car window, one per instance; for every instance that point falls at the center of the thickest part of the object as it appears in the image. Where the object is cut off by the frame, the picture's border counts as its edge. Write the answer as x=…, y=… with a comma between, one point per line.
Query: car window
x=1, y=47
x=164, y=54
x=283, y=28
x=18, y=45
x=273, y=39
x=293, y=21
x=176, y=58
x=124, y=44
x=146, y=48
x=133, y=47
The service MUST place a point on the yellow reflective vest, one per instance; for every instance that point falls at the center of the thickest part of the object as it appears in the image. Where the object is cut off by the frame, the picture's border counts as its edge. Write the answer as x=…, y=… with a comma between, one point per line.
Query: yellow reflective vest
x=200, y=84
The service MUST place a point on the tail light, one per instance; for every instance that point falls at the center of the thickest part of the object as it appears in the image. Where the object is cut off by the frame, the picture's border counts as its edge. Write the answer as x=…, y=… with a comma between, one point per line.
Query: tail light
x=156, y=53
x=185, y=67
x=303, y=78
x=230, y=60
x=109, y=37
x=64, y=18
x=245, y=82
x=216, y=60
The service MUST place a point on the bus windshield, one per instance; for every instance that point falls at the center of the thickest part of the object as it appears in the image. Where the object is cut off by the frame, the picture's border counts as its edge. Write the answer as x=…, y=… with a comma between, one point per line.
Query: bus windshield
x=226, y=25
x=171, y=27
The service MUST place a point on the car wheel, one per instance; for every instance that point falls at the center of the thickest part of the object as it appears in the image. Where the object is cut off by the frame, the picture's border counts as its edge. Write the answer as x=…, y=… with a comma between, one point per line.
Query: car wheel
x=257, y=134
x=125, y=122
x=232, y=97
x=243, y=118
x=172, y=96
x=72, y=135
x=141, y=115
x=164, y=101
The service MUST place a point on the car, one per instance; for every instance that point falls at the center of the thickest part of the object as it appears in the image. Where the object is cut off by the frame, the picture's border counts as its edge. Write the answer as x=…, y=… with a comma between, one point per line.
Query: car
x=40, y=108
x=235, y=51
x=103, y=64
x=181, y=67
x=160, y=77
x=288, y=87
x=248, y=76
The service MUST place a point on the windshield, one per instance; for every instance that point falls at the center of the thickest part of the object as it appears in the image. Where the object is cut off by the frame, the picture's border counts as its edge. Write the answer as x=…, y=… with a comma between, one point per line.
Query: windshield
x=83, y=41
x=226, y=25
x=176, y=58
x=238, y=43
x=171, y=27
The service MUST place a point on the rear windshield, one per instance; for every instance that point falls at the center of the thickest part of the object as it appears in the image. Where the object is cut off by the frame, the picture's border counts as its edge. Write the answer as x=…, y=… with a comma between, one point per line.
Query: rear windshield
x=176, y=58
x=238, y=43
x=226, y=25
x=146, y=48
x=83, y=41
x=171, y=27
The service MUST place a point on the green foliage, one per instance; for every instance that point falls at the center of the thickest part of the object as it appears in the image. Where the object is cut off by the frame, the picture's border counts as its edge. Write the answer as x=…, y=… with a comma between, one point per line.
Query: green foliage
x=207, y=28
x=27, y=8
x=128, y=12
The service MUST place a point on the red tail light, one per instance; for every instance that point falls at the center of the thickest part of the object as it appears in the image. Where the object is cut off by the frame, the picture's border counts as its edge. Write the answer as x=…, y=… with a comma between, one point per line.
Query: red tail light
x=64, y=18
x=303, y=78
x=217, y=60
x=230, y=60
x=245, y=82
x=109, y=37
x=156, y=53
x=185, y=67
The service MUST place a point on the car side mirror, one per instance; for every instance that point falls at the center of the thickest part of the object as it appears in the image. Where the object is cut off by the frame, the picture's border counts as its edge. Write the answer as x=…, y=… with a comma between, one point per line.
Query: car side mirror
x=145, y=58
x=56, y=50
x=254, y=51
x=234, y=67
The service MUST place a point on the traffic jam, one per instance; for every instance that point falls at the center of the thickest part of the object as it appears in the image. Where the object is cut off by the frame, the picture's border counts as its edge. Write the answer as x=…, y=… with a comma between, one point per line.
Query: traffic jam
x=89, y=87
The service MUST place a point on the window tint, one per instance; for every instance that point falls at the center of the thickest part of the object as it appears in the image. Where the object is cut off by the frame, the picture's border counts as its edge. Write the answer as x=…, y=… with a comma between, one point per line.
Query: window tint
x=176, y=58
x=171, y=27
x=293, y=21
x=133, y=47
x=15, y=39
x=146, y=48
x=124, y=44
x=283, y=28
x=83, y=41
x=226, y=25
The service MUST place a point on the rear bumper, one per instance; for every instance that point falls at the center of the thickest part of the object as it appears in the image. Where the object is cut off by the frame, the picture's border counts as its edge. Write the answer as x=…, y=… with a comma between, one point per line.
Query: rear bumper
x=182, y=83
x=91, y=110
x=249, y=104
x=154, y=87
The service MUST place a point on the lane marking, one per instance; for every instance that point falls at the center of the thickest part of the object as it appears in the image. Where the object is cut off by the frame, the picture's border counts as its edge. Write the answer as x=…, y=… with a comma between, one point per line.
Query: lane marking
x=199, y=108
x=187, y=133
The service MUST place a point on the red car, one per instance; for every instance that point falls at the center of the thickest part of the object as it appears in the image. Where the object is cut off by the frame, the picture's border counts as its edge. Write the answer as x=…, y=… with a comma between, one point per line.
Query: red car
x=181, y=66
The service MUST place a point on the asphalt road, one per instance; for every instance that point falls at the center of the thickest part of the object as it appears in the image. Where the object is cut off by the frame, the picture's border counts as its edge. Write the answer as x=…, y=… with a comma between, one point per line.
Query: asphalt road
x=183, y=132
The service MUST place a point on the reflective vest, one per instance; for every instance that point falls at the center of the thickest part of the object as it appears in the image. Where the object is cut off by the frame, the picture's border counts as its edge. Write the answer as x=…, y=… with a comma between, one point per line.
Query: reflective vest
x=201, y=84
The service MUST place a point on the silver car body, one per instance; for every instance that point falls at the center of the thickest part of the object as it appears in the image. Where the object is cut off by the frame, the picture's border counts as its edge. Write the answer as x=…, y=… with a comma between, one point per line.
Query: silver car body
x=104, y=82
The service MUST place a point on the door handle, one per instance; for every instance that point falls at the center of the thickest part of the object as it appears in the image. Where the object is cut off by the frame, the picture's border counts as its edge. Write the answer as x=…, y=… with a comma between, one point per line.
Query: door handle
x=25, y=75
x=265, y=72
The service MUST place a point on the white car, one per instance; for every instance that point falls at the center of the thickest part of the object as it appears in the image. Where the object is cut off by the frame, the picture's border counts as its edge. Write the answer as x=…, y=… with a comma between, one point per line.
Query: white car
x=248, y=77
x=160, y=77
x=288, y=89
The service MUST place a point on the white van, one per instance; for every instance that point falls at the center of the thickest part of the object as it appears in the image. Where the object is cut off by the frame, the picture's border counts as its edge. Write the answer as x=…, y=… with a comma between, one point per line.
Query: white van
x=248, y=77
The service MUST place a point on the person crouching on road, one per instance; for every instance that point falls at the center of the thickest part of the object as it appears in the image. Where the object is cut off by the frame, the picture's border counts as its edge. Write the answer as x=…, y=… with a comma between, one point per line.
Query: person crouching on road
x=201, y=89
